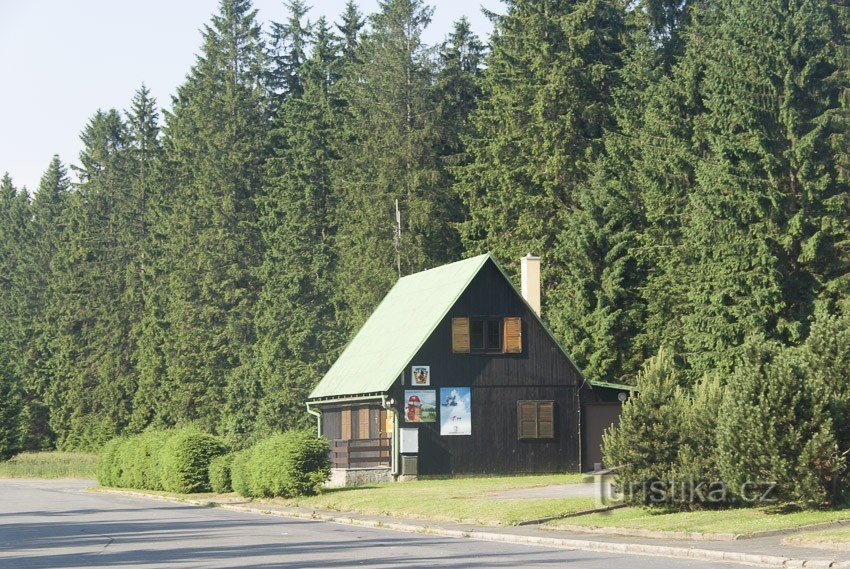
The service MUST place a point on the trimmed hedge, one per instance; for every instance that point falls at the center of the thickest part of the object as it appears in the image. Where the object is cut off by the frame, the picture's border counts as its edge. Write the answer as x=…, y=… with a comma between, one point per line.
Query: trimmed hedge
x=177, y=460
x=186, y=458
x=106, y=462
x=142, y=468
x=295, y=463
x=239, y=472
x=220, y=473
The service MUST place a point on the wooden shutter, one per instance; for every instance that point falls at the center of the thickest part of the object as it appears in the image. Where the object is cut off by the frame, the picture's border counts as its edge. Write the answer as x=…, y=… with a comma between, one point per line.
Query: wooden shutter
x=513, y=335
x=345, y=426
x=364, y=423
x=527, y=416
x=546, y=420
x=460, y=335
x=535, y=419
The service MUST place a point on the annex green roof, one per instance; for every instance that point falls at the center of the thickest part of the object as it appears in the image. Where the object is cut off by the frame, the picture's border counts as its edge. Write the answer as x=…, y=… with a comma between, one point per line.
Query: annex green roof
x=401, y=324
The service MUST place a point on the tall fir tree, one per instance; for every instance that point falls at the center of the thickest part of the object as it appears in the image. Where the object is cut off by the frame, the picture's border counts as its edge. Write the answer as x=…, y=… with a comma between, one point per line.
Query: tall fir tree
x=389, y=154
x=12, y=427
x=548, y=100
x=93, y=381
x=547, y=95
x=296, y=320
x=767, y=224
x=457, y=94
x=14, y=302
x=47, y=229
x=146, y=200
x=14, y=227
x=350, y=26
x=288, y=51
x=215, y=146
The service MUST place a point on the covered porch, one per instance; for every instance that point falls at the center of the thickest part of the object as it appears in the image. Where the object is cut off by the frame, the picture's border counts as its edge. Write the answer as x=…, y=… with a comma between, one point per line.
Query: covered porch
x=361, y=437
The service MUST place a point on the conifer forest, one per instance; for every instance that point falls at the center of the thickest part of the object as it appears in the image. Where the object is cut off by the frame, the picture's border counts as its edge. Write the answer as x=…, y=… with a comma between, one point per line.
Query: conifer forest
x=681, y=166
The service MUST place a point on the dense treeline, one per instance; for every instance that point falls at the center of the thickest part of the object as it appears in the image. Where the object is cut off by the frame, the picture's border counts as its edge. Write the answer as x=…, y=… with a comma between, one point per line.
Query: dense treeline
x=681, y=165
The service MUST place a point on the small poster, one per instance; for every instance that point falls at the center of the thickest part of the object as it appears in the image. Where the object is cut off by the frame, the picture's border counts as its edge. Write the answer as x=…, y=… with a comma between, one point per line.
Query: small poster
x=420, y=376
x=420, y=406
x=455, y=411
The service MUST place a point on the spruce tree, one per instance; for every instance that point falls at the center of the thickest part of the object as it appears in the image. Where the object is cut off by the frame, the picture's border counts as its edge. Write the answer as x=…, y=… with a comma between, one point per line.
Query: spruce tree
x=288, y=51
x=143, y=287
x=296, y=321
x=595, y=305
x=12, y=428
x=457, y=93
x=350, y=25
x=214, y=145
x=547, y=99
x=644, y=446
x=47, y=229
x=91, y=390
x=14, y=226
x=774, y=428
x=388, y=154
x=763, y=241
x=14, y=303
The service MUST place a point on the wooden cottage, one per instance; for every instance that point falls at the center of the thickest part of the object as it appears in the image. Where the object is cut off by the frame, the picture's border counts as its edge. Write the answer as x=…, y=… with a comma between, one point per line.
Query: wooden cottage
x=455, y=372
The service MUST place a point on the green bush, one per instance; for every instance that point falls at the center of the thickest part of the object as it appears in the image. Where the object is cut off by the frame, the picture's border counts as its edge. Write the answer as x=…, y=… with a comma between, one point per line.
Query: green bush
x=774, y=427
x=185, y=460
x=644, y=447
x=122, y=463
x=142, y=460
x=220, y=473
x=106, y=462
x=239, y=479
x=295, y=463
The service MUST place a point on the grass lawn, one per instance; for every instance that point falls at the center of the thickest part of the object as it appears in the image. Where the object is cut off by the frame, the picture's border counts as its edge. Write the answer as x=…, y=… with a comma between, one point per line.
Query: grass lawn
x=50, y=465
x=836, y=538
x=740, y=521
x=455, y=499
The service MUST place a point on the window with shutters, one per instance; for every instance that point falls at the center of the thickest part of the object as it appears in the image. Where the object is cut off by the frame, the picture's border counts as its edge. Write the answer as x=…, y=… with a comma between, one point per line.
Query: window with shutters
x=487, y=335
x=535, y=420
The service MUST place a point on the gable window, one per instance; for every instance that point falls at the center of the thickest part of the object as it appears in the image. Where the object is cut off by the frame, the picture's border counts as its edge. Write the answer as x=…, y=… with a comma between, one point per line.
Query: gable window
x=485, y=334
x=535, y=420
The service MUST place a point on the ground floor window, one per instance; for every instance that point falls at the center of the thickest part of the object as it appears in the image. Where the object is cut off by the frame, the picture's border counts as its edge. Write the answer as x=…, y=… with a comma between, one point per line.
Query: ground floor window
x=535, y=420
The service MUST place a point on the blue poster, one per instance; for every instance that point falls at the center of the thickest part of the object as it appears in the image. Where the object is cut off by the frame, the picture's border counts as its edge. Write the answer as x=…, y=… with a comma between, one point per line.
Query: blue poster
x=455, y=411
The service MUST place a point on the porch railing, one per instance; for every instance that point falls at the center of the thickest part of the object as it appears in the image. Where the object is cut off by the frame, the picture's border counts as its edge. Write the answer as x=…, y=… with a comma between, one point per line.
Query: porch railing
x=361, y=453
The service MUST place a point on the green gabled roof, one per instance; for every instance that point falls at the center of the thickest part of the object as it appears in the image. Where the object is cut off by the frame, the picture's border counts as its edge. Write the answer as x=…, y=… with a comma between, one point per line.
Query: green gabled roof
x=401, y=324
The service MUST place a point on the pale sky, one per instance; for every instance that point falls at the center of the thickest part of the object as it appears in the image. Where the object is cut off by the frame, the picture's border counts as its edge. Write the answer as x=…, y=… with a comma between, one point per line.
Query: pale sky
x=61, y=60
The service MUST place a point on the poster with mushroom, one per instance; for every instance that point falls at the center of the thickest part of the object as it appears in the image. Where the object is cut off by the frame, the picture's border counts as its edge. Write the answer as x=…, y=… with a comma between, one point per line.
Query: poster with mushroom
x=420, y=406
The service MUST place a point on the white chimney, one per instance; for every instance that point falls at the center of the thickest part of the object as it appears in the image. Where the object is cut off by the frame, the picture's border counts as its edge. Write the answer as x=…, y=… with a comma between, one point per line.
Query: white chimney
x=531, y=281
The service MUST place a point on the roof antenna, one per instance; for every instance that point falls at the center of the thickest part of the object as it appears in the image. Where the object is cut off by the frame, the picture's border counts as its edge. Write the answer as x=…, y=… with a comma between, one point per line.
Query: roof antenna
x=397, y=238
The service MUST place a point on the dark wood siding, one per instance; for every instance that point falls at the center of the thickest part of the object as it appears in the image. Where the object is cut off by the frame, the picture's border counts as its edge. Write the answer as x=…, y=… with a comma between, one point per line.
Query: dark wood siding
x=497, y=382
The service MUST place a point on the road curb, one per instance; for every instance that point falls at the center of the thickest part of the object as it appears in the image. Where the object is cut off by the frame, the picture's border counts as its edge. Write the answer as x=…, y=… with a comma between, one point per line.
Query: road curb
x=693, y=536
x=560, y=543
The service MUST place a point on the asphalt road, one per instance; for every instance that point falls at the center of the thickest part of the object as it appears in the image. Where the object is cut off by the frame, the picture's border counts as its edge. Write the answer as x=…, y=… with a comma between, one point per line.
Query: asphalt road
x=59, y=524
